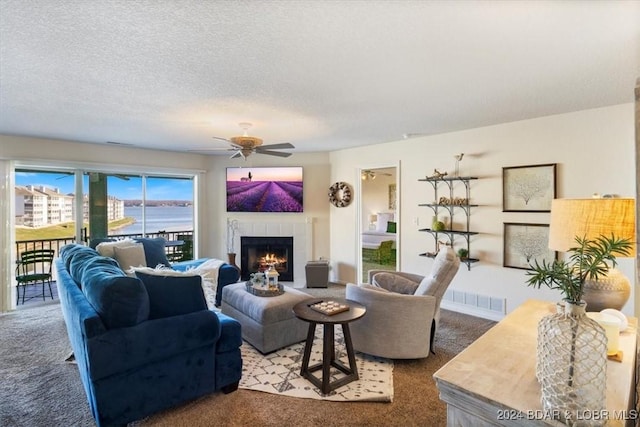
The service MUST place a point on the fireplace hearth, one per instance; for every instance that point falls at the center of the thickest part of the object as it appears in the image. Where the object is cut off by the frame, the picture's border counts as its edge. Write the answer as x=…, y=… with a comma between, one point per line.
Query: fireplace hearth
x=257, y=253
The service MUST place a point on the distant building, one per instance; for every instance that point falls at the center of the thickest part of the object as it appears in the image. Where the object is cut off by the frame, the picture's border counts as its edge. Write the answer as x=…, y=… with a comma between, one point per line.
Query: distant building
x=40, y=206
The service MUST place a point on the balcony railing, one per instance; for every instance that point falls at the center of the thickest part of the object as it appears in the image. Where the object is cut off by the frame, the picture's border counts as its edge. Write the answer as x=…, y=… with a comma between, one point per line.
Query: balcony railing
x=181, y=251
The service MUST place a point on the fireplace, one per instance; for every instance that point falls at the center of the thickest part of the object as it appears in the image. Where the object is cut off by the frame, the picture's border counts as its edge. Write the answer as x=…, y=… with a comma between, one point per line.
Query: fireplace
x=257, y=253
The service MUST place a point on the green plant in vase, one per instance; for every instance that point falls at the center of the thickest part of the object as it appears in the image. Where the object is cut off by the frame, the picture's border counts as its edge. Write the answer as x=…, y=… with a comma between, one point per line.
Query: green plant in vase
x=588, y=260
x=572, y=348
x=463, y=253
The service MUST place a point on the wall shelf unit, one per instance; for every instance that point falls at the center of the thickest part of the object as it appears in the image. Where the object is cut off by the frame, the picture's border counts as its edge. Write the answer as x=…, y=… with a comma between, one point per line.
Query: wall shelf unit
x=451, y=204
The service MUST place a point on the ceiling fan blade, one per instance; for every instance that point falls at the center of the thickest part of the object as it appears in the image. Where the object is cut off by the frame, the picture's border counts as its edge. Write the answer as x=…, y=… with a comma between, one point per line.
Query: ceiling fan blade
x=273, y=153
x=276, y=146
x=211, y=150
x=220, y=138
x=236, y=155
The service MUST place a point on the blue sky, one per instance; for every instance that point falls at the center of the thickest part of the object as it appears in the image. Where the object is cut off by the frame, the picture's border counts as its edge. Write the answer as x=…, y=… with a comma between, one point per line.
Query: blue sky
x=157, y=188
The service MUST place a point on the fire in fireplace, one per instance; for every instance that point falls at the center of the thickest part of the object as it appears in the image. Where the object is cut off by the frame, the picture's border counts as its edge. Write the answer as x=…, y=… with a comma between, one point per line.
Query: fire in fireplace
x=257, y=253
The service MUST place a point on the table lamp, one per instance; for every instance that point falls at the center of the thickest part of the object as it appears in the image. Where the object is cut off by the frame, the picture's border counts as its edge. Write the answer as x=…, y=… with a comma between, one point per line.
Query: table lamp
x=592, y=218
x=372, y=221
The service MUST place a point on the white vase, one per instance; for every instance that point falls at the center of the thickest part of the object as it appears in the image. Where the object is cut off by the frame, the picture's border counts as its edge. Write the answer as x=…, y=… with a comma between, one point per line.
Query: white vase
x=610, y=291
x=571, y=365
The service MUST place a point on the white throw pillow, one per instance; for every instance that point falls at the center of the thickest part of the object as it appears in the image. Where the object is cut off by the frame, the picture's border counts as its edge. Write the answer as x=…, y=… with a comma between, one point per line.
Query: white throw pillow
x=107, y=248
x=163, y=271
x=130, y=256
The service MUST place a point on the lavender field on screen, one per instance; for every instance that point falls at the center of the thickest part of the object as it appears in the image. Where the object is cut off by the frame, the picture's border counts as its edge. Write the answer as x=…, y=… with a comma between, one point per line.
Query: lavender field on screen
x=264, y=196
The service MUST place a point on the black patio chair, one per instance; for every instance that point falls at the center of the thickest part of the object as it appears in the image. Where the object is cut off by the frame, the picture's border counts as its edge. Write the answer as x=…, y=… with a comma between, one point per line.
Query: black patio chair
x=34, y=267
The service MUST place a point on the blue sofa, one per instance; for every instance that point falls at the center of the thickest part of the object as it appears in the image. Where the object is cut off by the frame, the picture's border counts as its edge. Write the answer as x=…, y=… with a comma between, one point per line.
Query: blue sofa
x=155, y=254
x=142, y=344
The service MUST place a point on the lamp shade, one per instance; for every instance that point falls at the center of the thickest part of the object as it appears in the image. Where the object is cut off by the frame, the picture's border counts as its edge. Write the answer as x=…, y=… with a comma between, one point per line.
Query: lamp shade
x=591, y=218
x=373, y=218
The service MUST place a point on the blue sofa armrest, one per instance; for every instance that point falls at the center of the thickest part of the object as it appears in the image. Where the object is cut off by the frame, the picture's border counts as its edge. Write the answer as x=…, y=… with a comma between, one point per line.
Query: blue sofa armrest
x=231, y=333
x=228, y=274
x=119, y=350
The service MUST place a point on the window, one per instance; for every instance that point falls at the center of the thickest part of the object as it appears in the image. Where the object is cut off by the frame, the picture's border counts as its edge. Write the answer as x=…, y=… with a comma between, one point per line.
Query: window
x=124, y=204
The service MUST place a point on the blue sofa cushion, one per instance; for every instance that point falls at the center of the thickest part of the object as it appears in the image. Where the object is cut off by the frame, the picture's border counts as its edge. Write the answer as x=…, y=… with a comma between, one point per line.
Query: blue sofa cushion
x=173, y=295
x=67, y=252
x=154, y=251
x=80, y=260
x=121, y=301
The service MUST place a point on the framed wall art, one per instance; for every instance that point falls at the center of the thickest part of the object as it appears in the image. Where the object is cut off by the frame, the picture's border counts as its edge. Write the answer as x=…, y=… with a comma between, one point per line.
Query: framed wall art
x=526, y=244
x=392, y=197
x=528, y=188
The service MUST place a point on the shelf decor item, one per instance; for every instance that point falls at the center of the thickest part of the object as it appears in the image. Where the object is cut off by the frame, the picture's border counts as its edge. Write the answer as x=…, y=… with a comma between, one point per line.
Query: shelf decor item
x=443, y=227
x=572, y=348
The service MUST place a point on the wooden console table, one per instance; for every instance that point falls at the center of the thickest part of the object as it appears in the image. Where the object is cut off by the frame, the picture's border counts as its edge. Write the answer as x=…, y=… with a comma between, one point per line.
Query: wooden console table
x=493, y=383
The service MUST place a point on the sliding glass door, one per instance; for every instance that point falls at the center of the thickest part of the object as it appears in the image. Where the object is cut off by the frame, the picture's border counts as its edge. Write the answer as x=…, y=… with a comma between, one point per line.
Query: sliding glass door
x=54, y=206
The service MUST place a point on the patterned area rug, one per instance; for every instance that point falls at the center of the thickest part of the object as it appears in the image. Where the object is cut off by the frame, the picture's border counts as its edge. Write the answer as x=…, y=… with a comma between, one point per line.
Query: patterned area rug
x=279, y=373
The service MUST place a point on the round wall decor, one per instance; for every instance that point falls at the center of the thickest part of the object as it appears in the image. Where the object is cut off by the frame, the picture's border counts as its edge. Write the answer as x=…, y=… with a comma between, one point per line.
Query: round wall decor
x=340, y=194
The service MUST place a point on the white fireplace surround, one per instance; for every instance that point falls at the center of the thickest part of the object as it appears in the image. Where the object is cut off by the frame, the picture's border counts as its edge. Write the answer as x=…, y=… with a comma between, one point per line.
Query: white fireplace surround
x=300, y=230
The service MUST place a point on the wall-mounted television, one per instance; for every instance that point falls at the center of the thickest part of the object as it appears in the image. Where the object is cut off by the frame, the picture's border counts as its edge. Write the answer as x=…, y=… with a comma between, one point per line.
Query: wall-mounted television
x=264, y=189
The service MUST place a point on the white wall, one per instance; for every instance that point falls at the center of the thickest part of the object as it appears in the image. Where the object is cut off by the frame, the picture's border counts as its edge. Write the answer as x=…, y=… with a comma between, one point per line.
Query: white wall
x=594, y=150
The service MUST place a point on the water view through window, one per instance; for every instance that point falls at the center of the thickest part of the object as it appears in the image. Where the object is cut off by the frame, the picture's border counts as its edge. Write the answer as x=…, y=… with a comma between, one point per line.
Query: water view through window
x=46, y=203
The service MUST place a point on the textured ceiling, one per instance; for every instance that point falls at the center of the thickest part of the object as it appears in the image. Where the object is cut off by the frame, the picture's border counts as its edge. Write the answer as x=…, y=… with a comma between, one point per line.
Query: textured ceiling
x=322, y=75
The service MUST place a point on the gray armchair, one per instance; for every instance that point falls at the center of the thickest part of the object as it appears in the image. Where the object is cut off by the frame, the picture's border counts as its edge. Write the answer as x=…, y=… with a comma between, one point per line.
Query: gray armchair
x=402, y=309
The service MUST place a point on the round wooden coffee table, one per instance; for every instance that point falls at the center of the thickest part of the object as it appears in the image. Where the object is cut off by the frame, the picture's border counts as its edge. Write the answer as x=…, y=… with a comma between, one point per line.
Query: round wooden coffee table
x=303, y=311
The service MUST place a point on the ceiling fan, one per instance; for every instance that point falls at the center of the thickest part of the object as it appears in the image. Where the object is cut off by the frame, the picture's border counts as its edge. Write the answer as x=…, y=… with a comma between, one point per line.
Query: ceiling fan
x=371, y=175
x=245, y=145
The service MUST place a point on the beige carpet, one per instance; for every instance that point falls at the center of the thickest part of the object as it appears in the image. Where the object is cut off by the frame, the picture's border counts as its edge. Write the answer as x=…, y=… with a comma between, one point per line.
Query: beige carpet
x=415, y=401
x=37, y=388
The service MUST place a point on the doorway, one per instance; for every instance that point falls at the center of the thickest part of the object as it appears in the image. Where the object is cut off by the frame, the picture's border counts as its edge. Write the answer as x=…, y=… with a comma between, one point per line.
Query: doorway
x=379, y=219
